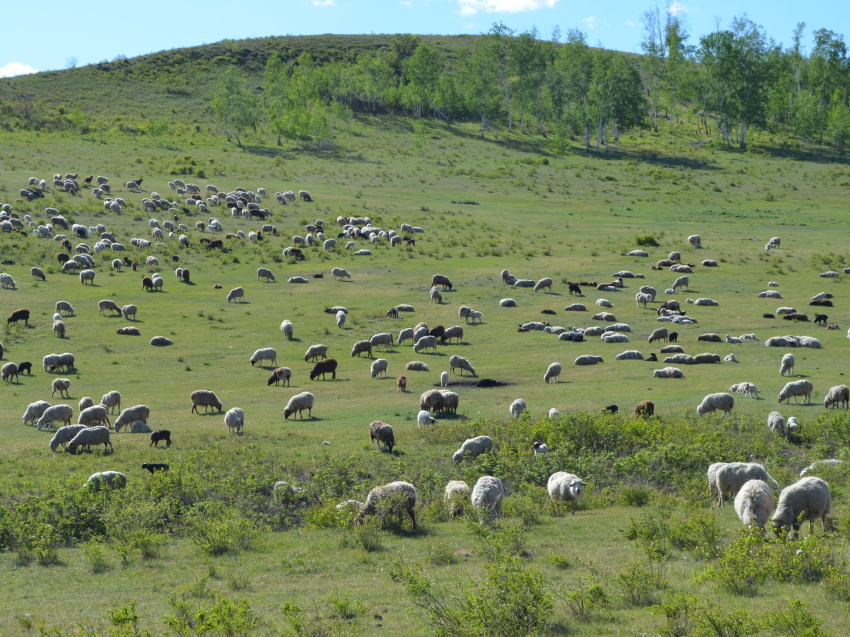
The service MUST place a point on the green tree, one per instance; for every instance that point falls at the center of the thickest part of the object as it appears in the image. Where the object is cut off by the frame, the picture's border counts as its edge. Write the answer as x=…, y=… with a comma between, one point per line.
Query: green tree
x=235, y=105
x=422, y=73
x=478, y=86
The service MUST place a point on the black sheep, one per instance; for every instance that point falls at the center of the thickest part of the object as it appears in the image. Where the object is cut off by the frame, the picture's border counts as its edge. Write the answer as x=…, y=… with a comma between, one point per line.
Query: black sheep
x=25, y=367
x=161, y=434
x=155, y=466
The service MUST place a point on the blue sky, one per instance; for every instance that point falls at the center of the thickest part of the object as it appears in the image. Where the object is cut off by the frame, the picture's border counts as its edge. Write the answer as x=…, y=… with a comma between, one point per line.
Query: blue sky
x=92, y=33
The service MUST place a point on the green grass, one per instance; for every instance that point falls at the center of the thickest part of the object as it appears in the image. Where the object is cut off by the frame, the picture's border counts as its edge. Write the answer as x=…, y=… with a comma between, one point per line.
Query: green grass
x=569, y=218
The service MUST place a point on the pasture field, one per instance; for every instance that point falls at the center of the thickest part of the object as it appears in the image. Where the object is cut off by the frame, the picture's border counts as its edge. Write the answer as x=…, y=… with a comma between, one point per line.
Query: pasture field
x=485, y=205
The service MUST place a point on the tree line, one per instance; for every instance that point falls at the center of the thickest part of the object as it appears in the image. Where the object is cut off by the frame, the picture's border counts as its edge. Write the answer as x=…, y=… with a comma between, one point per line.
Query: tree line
x=731, y=81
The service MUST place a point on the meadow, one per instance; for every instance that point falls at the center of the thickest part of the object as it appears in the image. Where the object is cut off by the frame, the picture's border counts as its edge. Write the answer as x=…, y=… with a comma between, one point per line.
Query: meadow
x=211, y=535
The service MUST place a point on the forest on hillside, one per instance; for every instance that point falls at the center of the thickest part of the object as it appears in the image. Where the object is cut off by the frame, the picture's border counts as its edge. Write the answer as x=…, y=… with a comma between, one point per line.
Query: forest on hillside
x=723, y=84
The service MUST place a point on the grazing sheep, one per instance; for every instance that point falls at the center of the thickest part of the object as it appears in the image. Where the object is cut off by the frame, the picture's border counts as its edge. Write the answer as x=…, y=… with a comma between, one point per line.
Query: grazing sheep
x=539, y=448
x=61, y=413
x=507, y=303
x=659, y=334
x=517, y=407
x=565, y=487
x=459, y=362
x=379, y=366
x=452, y=332
x=94, y=414
x=87, y=275
x=86, y=402
x=436, y=296
x=455, y=494
x=776, y=423
x=425, y=342
x=806, y=500
x=205, y=398
x=553, y=372
x=424, y=418
x=754, y=504
x=668, y=372
x=37, y=273
x=554, y=413
x=543, y=284
x=266, y=274
x=287, y=328
x=401, y=381
x=234, y=419
x=34, y=412
x=837, y=395
x=264, y=354
x=796, y=388
x=340, y=319
x=588, y=359
x=90, y=436
x=416, y=366
x=339, y=273
x=363, y=346
x=130, y=415
x=731, y=477
x=6, y=281
x=748, y=389
x=487, y=495
x=439, y=279
x=786, y=367
x=716, y=402
x=384, y=339
x=106, y=479
x=402, y=496
x=681, y=282
x=473, y=447
x=299, y=403
x=815, y=466
x=383, y=433
x=645, y=408
x=236, y=293
x=64, y=306
x=64, y=435
x=280, y=374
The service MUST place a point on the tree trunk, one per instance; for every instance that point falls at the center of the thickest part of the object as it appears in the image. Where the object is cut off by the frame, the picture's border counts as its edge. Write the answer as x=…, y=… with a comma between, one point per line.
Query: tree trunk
x=278, y=140
x=238, y=141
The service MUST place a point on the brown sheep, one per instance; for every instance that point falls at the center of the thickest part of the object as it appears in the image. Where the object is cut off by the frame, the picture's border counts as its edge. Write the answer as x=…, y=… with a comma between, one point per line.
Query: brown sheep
x=701, y=359
x=822, y=303
x=19, y=315
x=796, y=316
x=710, y=337
x=402, y=383
x=216, y=243
x=659, y=334
x=147, y=283
x=439, y=279
x=185, y=275
x=645, y=408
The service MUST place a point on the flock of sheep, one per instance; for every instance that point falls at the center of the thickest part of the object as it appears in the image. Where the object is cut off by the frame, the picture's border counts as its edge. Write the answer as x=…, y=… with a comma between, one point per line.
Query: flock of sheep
x=808, y=499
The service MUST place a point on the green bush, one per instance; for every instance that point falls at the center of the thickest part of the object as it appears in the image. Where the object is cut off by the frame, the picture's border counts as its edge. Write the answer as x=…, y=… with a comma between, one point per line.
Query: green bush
x=640, y=581
x=646, y=240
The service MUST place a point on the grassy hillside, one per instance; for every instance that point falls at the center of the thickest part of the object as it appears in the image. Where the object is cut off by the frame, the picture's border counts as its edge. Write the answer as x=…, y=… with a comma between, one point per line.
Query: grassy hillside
x=212, y=529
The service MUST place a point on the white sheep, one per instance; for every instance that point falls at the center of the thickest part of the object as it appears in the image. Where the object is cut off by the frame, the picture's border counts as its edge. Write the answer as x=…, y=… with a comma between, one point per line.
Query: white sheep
x=554, y=413
x=264, y=354
x=404, y=335
x=730, y=358
x=106, y=480
x=716, y=402
x=339, y=273
x=6, y=281
x=132, y=414
x=34, y=412
x=642, y=299
x=695, y=240
x=340, y=319
x=287, y=329
x=299, y=403
x=553, y=372
x=806, y=500
x=601, y=303
x=444, y=379
x=668, y=372
x=93, y=414
x=539, y=448
x=787, y=365
x=459, y=362
x=681, y=282
x=729, y=477
x=64, y=435
x=733, y=340
x=588, y=359
x=112, y=400
x=474, y=317
x=402, y=494
x=565, y=487
x=266, y=274
x=629, y=355
x=796, y=388
x=815, y=466
x=424, y=418
x=236, y=293
x=614, y=338
x=487, y=495
x=235, y=420
x=379, y=366
x=473, y=447
x=517, y=407
x=776, y=423
x=748, y=389
x=90, y=436
x=455, y=493
x=424, y=343
x=754, y=504
x=543, y=284
x=837, y=395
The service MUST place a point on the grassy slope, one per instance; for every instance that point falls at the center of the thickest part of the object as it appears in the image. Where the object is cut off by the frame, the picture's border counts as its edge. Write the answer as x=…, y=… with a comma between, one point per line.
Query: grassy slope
x=572, y=218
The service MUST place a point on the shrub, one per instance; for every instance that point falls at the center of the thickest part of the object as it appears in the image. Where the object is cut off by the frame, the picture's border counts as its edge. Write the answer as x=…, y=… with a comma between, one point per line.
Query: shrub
x=582, y=601
x=646, y=240
x=740, y=570
x=640, y=580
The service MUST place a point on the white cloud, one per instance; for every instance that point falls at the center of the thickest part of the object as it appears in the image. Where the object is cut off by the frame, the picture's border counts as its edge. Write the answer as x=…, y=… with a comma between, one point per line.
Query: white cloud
x=323, y=3
x=16, y=68
x=406, y=3
x=590, y=22
x=471, y=7
x=676, y=8
x=629, y=23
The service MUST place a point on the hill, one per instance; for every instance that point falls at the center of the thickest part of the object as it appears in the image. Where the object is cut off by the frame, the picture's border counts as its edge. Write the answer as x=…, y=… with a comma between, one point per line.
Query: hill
x=212, y=547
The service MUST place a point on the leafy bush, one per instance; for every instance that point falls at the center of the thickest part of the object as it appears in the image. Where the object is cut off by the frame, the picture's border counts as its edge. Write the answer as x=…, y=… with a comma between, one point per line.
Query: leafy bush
x=646, y=240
